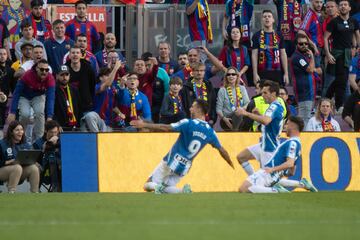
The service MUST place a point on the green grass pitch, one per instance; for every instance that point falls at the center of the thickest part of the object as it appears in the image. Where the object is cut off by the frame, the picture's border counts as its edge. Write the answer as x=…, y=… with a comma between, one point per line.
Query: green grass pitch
x=325, y=215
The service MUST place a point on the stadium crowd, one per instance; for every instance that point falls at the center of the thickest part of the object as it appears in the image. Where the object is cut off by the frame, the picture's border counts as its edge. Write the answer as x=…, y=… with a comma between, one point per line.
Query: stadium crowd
x=60, y=75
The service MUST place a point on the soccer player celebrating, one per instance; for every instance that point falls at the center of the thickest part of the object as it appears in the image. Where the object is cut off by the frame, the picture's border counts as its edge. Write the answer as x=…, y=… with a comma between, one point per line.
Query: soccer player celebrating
x=195, y=133
x=282, y=163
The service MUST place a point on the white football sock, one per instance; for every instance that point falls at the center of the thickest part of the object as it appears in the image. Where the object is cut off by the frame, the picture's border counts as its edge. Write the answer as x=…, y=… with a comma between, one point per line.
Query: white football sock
x=248, y=168
x=290, y=183
x=260, y=189
x=172, y=189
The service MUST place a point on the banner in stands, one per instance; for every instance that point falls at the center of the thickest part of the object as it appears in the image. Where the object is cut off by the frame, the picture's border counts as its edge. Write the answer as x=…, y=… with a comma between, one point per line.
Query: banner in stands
x=126, y=160
x=96, y=14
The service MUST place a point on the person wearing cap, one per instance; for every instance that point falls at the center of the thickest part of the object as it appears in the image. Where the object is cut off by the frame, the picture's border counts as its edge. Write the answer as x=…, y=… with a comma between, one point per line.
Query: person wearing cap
x=80, y=24
x=27, y=36
x=56, y=47
x=35, y=88
x=41, y=26
x=26, y=55
x=37, y=54
x=67, y=108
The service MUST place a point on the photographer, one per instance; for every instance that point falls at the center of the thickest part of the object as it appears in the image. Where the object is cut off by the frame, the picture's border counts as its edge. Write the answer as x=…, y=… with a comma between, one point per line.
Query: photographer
x=303, y=67
x=51, y=162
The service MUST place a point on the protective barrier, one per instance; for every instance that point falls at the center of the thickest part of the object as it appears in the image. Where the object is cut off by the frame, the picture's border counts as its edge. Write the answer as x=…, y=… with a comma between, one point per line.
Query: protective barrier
x=125, y=161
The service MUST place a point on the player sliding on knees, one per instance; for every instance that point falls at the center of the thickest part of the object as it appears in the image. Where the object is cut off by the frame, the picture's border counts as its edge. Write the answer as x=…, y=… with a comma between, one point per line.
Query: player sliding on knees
x=271, y=127
x=195, y=133
x=266, y=180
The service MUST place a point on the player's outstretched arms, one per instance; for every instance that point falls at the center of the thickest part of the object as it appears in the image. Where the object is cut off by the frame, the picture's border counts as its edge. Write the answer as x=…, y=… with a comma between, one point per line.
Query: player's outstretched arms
x=159, y=127
x=225, y=155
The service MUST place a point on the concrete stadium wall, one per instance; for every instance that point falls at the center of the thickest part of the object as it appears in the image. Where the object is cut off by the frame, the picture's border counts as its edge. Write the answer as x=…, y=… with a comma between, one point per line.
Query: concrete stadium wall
x=122, y=162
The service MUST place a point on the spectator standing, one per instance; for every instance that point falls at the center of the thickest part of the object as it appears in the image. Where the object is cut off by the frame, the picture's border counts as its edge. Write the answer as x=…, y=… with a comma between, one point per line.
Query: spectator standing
x=27, y=37
x=183, y=60
x=10, y=171
x=238, y=13
x=312, y=26
x=82, y=77
x=146, y=77
x=81, y=42
x=35, y=89
x=81, y=25
x=56, y=47
x=269, y=59
x=323, y=120
x=234, y=54
x=303, y=67
x=109, y=45
x=194, y=57
x=231, y=96
x=344, y=31
x=41, y=26
x=37, y=54
x=289, y=19
x=26, y=55
x=199, y=19
x=105, y=95
x=164, y=59
x=332, y=11
x=160, y=86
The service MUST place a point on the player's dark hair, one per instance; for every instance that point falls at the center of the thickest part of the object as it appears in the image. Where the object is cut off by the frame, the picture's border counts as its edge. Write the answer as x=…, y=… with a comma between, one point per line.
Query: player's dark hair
x=298, y=121
x=203, y=105
x=273, y=86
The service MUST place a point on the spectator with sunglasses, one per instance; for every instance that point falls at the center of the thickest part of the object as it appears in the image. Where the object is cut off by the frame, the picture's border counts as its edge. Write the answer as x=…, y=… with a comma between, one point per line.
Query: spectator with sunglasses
x=231, y=96
x=303, y=67
x=35, y=89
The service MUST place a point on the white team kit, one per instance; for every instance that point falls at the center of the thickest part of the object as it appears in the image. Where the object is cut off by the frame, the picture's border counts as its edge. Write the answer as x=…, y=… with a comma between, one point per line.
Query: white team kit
x=291, y=148
x=194, y=135
x=264, y=150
